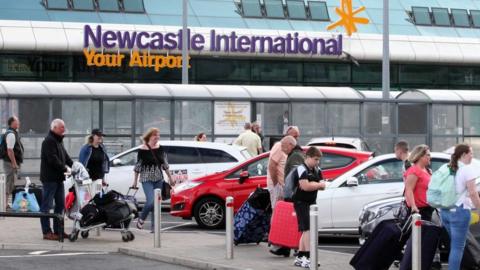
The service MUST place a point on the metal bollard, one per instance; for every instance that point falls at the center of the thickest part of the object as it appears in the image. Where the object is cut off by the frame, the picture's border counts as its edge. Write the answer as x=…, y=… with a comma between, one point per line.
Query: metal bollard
x=416, y=242
x=98, y=188
x=3, y=194
x=229, y=227
x=157, y=203
x=313, y=237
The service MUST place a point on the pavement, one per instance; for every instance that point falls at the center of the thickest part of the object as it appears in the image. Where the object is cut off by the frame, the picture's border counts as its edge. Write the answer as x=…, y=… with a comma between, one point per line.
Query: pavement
x=194, y=249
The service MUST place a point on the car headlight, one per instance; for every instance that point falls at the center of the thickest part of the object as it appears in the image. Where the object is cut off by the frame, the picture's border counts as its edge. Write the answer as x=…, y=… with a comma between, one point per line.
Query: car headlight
x=383, y=211
x=185, y=186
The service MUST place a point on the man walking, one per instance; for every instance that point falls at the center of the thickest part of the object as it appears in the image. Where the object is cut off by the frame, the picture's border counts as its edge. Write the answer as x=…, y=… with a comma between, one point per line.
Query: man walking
x=250, y=140
x=54, y=163
x=401, y=153
x=13, y=154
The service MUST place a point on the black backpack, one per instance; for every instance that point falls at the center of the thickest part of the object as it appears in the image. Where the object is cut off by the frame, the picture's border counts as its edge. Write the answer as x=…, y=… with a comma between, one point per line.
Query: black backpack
x=3, y=145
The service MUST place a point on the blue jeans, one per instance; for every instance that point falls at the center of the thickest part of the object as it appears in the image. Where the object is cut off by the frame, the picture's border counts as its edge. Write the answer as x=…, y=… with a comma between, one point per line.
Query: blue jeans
x=456, y=222
x=52, y=192
x=149, y=189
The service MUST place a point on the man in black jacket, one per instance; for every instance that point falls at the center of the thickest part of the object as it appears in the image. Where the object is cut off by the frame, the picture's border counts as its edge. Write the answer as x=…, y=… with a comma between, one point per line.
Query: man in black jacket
x=54, y=163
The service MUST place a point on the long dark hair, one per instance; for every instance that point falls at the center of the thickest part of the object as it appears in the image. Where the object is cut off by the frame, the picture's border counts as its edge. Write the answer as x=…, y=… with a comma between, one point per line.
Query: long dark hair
x=460, y=149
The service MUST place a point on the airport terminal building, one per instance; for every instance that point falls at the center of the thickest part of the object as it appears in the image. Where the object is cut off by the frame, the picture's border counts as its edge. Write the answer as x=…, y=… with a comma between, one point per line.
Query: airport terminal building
x=116, y=64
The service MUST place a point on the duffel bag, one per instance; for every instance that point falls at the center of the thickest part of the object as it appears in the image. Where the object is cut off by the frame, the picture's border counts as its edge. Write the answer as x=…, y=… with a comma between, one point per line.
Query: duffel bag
x=116, y=211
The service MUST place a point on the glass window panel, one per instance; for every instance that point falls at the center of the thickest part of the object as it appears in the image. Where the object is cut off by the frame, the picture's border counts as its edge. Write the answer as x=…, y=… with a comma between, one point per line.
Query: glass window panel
x=70, y=110
x=444, y=120
x=318, y=10
x=315, y=124
x=475, y=144
x=367, y=73
x=152, y=114
x=32, y=147
x=296, y=9
x=57, y=4
x=274, y=8
x=133, y=6
x=441, y=17
x=210, y=8
x=221, y=22
x=440, y=144
x=82, y=17
x=215, y=156
x=24, y=14
x=423, y=75
x=127, y=159
x=334, y=161
x=108, y=5
x=475, y=14
x=421, y=16
x=20, y=66
x=326, y=72
x=460, y=17
x=73, y=144
x=221, y=70
x=277, y=72
x=412, y=119
x=117, y=117
x=464, y=75
x=344, y=118
x=471, y=120
x=380, y=145
x=116, y=145
x=387, y=171
x=182, y=155
x=8, y=108
x=34, y=116
x=372, y=119
x=413, y=141
x=56, y=68
x=83, y=4
x=251, y=8
x=274, y=117
x=193, y=117
x=113, y=17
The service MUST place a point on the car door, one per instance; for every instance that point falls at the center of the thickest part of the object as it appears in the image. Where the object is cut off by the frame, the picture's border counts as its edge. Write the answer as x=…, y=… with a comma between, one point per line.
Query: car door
x=185, y=163
x=120, y=177
x=216, y=160
x=381, y=180
x=257, y=170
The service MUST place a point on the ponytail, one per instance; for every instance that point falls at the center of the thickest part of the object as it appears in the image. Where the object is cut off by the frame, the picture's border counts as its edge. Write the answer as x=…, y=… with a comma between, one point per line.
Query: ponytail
x=460, y=149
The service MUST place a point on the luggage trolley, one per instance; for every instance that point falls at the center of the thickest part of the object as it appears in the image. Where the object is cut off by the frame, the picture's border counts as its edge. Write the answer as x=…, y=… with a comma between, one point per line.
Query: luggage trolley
x=83, y=197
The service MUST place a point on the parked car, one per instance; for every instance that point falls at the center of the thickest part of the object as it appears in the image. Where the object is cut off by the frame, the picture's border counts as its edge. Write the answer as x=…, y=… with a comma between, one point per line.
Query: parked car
x=379, y=178
x=204, y=198
x=345, y=142
x=187, y=160
x=375, y=212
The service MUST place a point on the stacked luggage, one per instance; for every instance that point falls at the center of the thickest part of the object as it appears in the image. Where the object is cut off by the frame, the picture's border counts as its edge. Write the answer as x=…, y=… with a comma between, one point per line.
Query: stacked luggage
x=252, y=221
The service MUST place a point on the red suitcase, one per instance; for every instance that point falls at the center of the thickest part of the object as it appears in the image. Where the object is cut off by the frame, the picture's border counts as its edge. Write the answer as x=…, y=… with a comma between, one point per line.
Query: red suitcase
x=284, y=228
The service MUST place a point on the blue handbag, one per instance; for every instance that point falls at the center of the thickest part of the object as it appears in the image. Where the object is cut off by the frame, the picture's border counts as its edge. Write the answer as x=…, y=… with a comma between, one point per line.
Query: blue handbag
x=25, y=201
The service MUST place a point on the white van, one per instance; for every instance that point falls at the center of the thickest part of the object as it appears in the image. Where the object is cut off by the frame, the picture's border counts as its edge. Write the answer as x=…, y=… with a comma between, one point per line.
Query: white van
x=187, y=159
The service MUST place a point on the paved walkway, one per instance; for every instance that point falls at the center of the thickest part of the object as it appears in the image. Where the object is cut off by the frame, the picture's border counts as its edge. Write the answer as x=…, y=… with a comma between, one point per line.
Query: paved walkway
x=201, y=250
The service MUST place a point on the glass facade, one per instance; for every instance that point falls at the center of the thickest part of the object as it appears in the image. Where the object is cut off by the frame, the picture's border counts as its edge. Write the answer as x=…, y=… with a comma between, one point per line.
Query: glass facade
x=367, y=75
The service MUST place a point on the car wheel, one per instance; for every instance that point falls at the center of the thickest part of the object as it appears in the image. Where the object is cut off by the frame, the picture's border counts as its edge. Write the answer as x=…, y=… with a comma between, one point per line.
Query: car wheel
x=210, y=213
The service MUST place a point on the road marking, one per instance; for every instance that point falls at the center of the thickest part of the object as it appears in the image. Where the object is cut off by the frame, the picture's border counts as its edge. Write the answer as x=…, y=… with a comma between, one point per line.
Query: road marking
x=177, y=226
x=40, y=252
x=55, y=255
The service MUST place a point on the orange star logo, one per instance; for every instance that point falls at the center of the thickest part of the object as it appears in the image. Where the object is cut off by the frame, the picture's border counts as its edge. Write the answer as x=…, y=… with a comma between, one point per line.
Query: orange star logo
x=347, y=17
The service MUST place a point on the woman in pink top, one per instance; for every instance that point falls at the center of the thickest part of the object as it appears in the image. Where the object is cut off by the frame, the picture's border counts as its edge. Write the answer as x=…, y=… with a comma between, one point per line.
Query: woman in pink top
x=416, y=179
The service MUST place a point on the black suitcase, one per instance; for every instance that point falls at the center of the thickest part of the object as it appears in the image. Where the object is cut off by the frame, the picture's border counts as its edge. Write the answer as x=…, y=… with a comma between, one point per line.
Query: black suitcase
x=36, y=190
x=381, y=248
x=116, y=212
x=471, y=254
x=430, y=239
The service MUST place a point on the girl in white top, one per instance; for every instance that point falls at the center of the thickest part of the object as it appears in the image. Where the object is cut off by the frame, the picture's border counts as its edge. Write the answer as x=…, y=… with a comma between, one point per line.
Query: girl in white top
x=457, y=220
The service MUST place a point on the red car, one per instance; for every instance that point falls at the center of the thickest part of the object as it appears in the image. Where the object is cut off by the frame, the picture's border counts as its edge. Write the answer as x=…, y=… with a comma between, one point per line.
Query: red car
x=204, y=197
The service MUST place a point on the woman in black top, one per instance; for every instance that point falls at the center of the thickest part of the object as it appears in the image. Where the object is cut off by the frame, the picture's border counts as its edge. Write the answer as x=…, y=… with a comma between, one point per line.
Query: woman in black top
x=94, y=156
x=151, y=160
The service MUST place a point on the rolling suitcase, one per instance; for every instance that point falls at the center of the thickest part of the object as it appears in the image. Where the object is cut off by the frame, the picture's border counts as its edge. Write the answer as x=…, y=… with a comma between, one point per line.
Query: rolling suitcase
x=284, y=228
x=251, y=225
x=381, y=248
x=430, y=239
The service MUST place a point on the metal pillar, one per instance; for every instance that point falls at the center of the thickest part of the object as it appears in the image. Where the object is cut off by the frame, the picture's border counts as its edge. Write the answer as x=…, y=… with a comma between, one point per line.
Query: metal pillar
x=3, y=194
x=416, y=242
x=313, y=237
x=157, y=214
x=229, y=227
x=185, y=43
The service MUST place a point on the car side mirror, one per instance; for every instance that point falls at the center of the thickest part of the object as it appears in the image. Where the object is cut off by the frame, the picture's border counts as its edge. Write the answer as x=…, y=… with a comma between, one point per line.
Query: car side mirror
x=243, y=177
x=352, y=182
x=116, y=162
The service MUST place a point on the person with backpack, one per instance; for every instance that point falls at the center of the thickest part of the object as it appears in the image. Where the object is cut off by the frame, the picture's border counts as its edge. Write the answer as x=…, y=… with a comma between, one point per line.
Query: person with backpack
x=457, y=218
x=417, y=178
x=11, y=151
x=308, y=181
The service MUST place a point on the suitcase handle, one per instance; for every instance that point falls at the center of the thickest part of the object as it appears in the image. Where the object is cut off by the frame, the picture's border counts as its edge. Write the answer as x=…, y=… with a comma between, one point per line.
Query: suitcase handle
x=135, y=190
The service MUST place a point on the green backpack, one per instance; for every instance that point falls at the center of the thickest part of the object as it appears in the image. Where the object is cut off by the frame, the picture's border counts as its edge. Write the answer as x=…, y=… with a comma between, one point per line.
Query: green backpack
x=442, y=192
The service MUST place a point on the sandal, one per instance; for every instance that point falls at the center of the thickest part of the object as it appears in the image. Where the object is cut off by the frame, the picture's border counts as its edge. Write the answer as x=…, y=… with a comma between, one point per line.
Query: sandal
x=140, y=224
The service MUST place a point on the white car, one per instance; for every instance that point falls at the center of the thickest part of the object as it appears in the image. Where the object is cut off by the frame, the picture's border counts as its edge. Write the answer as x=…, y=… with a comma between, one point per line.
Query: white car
x=345, y=142
x=378, y=178
x=187, y=159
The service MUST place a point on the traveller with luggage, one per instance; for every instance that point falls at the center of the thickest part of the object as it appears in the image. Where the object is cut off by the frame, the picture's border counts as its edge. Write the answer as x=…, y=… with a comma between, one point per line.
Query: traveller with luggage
x=93, y=156
x=309, y=182
x=456, y=218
